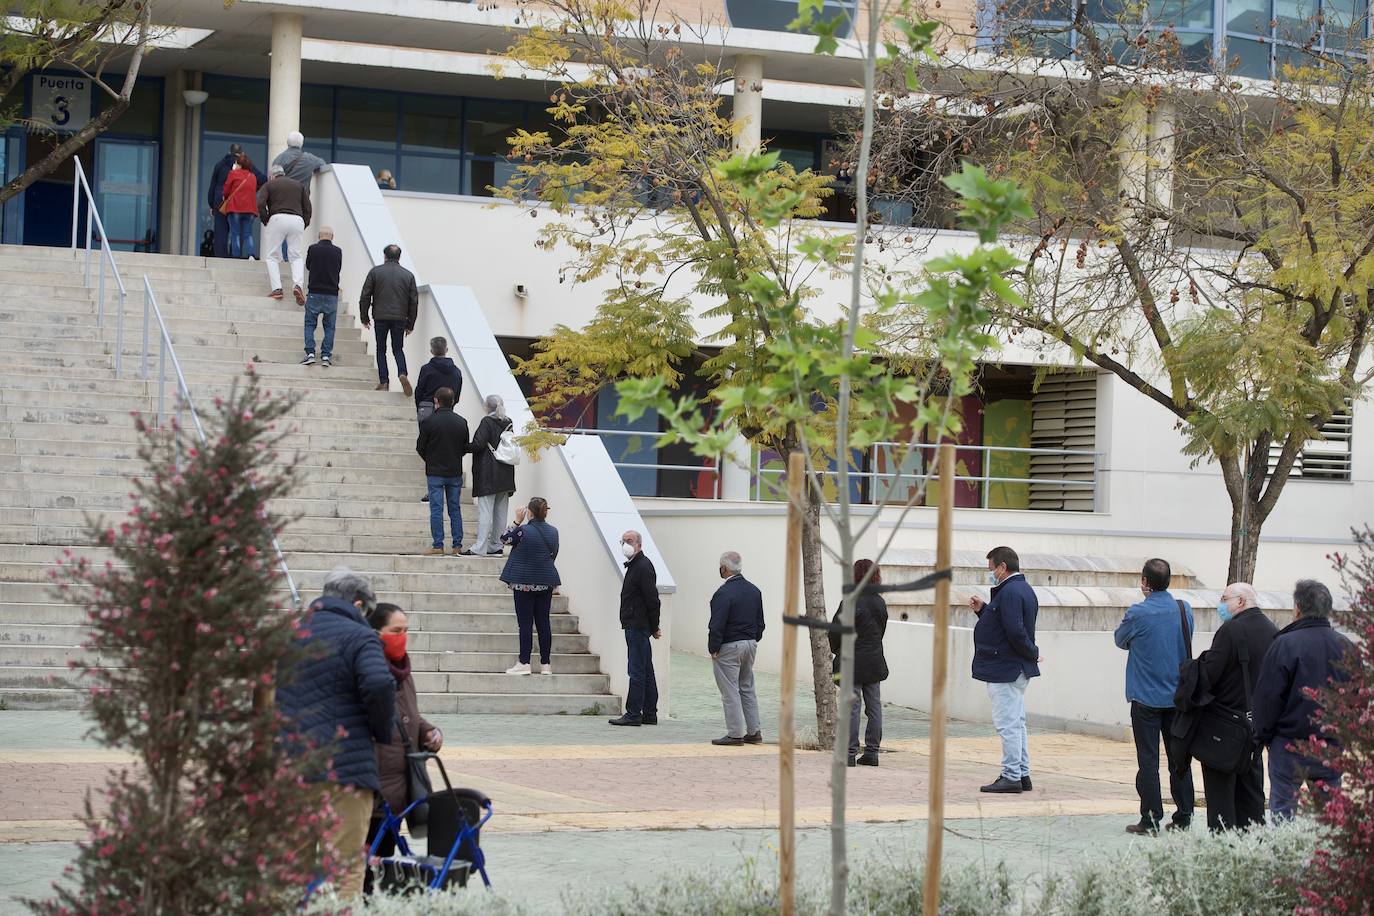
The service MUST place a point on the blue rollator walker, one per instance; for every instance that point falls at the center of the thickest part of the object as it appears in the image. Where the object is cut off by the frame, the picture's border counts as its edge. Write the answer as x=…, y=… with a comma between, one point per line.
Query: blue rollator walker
x=455, y=824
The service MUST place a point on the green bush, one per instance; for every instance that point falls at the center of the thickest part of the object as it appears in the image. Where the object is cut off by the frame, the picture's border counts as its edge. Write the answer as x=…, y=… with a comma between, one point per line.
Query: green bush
x=1190, y=874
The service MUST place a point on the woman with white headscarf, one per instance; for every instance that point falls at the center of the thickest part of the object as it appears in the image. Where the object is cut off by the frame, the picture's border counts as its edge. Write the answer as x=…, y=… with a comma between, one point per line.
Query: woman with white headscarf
x=493, y=482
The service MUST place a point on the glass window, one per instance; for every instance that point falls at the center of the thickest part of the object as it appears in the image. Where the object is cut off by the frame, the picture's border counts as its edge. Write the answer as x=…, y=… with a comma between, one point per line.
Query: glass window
x=143, y=117
x=1246, y=57
x=1038, y=10
x=489, y=124
x=1345, y=24
x=1295, y=20
x=126, y=184
x=372, y=158
x=367, y=119
x=432, y=123
x=797, y=149
x=1108, y=11
x=438, y=174
x=1249, y=16
x=1195, y=50
x=480, y=175
x=317, y=119
x=775, y=15
x=1289, y=56
x=236, y=106
x=1181, y=14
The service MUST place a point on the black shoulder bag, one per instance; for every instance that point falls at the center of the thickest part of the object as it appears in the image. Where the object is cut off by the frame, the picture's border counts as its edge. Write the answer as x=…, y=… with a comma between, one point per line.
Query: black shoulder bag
x=1224, y=739
x=418, y=785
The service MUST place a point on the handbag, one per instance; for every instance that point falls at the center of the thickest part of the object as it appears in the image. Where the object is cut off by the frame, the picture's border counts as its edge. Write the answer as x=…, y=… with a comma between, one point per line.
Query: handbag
x=506, y=451
x=418, y=786
x=1224, y=738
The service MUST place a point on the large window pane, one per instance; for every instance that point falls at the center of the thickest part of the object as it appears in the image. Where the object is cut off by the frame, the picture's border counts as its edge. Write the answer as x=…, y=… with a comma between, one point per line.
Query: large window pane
x=367, y=119
x=432, y=123
x=317, y=119
x=1250, y=16
x=1246, y=57
x=1289, y=56
x=479, y=175
x=797, y=149
x=775, y=15
x=373, y=159
x=236, y=106
x=1108, y=11
x=1181, y=14
x=1346, y=21
x=488, y=126
x=126, y=181
x=1295, y=20
x=429, y=173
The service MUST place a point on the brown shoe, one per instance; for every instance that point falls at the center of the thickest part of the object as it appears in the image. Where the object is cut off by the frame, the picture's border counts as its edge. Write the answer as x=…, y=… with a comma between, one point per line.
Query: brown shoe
x=275, y=294
x=300, y=295
x=405, y=386
x=434, y=552
x=1141, y=829
x=383, y=386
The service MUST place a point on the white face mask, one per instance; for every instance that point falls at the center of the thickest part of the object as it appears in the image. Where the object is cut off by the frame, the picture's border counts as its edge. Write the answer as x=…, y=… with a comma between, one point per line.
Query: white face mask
x=627, y=549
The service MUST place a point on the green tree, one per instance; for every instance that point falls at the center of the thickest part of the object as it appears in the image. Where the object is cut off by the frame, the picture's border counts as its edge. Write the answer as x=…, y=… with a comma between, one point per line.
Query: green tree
x=87, y=36
x=1210, y=242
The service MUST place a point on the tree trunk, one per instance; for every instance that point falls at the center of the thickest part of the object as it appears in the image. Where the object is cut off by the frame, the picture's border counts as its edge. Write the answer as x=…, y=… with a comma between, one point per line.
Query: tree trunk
x=813, y=591
x=1244, y=547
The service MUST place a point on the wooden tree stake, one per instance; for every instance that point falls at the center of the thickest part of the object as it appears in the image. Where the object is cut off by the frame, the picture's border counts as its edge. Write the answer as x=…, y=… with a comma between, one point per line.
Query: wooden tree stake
x=939, y=675
x=787, y=839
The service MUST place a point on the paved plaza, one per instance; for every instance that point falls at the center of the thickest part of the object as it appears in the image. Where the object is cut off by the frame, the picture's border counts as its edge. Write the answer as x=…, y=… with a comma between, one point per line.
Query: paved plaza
x=582, y=804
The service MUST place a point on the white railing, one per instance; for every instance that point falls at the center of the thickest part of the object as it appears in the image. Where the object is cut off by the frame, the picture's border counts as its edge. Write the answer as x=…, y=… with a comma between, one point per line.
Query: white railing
x=714, y=470
x=166, y=350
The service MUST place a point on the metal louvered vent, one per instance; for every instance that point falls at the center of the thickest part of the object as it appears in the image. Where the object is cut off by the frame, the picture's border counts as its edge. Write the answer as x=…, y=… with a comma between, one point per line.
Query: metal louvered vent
x=1064, y=417
x=1326, y=457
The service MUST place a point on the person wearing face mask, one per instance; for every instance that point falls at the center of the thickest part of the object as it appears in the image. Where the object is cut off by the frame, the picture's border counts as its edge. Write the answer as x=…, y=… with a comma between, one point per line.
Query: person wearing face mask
x=639, y=618
x=1232, y=669
x=410, y=730
x=1157, y=633
x=1005, y=658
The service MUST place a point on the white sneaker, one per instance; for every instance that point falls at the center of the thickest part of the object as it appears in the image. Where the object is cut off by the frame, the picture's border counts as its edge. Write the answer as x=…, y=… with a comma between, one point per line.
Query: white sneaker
x=518, y=669
x=546, y=669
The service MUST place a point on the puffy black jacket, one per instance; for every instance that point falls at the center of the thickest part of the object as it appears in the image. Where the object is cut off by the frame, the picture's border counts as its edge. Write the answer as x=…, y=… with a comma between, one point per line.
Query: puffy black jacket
x=1305, y=654
x=439, y=372
x=443, y=441
x=490, y=476
x=639, y=601
x=870, y=624
x=736, y=613
x=389, y=294
x=1004, y=636
x=1222, y=660
x=341, y=682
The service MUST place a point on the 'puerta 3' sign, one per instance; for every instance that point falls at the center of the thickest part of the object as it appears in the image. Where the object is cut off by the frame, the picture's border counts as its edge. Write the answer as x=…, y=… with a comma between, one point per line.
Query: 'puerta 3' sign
x=61, y=102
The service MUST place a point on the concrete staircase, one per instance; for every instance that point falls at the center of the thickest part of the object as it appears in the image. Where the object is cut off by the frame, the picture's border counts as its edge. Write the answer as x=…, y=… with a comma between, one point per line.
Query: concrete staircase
x=68, y=451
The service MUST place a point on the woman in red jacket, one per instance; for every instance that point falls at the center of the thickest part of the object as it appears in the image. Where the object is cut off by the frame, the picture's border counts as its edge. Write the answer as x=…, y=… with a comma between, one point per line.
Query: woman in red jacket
x=241, y=207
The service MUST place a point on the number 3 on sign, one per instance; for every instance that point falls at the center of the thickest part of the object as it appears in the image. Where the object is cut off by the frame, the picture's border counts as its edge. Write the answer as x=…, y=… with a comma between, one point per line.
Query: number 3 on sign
x=61, y=110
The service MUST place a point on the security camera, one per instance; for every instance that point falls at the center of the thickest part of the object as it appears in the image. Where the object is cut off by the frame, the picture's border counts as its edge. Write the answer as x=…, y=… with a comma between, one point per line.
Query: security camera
x=521, y=292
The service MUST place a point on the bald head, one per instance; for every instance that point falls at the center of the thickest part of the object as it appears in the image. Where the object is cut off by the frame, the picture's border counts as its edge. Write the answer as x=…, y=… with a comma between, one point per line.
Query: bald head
x=326, y=232
x=1239, y=596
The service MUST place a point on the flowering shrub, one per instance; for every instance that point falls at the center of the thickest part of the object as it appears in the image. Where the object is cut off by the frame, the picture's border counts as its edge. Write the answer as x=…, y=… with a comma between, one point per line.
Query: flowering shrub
x=1341, y=877
x=213, y=817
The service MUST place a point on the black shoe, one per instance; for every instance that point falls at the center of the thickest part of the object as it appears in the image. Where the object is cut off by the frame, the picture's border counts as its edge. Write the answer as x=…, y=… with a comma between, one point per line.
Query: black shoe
x=727, y=741
x=1025, y=784
x=649, y=720
x=1143, y=828
x=851, y=762
x=755, y=738
x=1178, y=826
x=1003, y=786
x=868, y=760
x=626, y=720
x=496, y=553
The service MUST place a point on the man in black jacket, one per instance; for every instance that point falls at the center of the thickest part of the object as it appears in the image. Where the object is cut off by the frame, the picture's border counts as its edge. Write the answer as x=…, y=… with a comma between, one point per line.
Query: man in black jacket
x=341, y=692
x=216, y=198
x=391, y=299
x=442, y=444
x=323, y=264
x=733, y=640
x=1306, y=655
x=639, y=618
x=439, y=372
x=1232, y=666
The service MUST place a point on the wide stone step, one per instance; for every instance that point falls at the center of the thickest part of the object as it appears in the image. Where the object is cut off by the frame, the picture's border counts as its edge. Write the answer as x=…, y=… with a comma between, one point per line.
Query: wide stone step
x=484, y=683
x=111, y=494
x=36, y=601
x=47, y=421
x=401, y=463
x=498, y=662
x=41, y=698
x=519, y=704
x=297, y=528
x=317, y=406
x=364, y=399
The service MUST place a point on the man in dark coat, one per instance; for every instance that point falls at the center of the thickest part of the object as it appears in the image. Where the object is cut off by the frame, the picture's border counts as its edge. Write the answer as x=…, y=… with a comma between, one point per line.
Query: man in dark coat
x=442, y=443
x=341, y=692
x=1232, y=667
x=1305, y=655
x=733, y=640
x=391, y=299
x=1005, y=657
x=493, y=482
x=639, y=618
x=439, y=372
x=870, y=665
x=216, y=197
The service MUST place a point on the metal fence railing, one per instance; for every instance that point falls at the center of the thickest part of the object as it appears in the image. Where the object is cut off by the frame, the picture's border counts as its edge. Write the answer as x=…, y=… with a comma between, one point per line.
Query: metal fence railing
x=713, y=470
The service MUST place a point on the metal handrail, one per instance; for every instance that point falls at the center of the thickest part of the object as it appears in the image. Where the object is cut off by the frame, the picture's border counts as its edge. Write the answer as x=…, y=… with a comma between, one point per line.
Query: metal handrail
x=642, y=466
x=165, y=347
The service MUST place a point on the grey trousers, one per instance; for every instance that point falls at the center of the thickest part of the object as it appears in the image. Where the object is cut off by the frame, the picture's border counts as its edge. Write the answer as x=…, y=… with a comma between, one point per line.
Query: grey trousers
x=870, y=697
x=491, y=510
x=734, y=666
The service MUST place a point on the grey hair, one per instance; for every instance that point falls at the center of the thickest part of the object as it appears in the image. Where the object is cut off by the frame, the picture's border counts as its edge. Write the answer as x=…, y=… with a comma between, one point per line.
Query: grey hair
x=295, y=139
x=438, y=346
x=495, y=406
x=731, y=562
x=1312, y=598
x=347, y=585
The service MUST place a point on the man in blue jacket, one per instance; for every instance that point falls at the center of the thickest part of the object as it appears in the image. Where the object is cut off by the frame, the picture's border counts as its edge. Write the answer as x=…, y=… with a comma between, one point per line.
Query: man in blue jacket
x=733, y=640
x=1306, y=655
x=1005, y=657
x=1158, y=635
x=342, y=693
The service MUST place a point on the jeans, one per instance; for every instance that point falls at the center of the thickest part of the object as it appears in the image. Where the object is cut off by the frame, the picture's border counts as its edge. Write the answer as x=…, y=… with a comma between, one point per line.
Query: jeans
x=734, y=667
x=397, y=329
x=317, y=306
x=445, y=490
x=642, y=698
x=532, y=611
x=1009, y=718
x=490, y=511
x=1235, y=800
x=282, y=238
x=869, y=696
x=1288, y=770
x=1147, y=725
x=241, y=235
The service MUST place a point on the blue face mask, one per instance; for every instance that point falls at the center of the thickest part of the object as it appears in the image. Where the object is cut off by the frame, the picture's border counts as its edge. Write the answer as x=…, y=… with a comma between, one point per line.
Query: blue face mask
x=1223, y=611
x=992, y=578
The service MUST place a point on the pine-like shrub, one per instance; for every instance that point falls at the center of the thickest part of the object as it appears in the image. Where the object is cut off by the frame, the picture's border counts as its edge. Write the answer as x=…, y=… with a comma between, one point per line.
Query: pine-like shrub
x=1341, y=876
x=186, y=623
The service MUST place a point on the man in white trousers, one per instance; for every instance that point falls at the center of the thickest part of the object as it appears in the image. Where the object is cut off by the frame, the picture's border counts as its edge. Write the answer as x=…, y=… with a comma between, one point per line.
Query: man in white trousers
x=284, y=207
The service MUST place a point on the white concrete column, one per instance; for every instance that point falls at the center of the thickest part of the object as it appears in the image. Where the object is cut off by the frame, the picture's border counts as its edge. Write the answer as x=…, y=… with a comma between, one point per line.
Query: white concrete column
x=1161, y=153
x=284, y=93
x=748, y=106
x=735, y=473
x=172, y=192
x=1146, y=153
